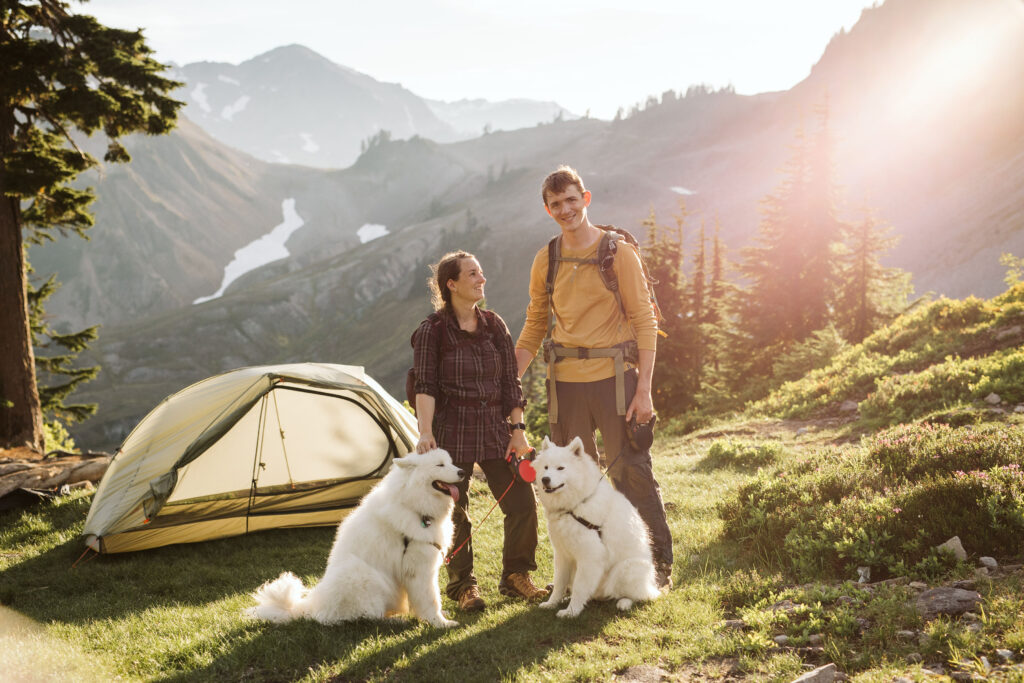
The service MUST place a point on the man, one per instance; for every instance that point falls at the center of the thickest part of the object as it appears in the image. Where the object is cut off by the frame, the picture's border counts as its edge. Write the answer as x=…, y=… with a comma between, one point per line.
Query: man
x=600, y=354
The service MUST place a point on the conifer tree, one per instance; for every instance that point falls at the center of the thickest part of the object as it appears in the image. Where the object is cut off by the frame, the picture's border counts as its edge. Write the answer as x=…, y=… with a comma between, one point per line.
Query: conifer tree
x=64, y=74
x=872, y=294
x=792, y=266
x=675, y=373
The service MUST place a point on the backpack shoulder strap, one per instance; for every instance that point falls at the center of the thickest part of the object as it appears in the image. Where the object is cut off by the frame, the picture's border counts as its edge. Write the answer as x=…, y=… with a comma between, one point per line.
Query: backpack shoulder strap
x=554, y=257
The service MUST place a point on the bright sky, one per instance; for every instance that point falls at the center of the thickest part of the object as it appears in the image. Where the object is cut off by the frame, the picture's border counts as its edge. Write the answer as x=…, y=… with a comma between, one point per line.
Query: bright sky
x=584, y=54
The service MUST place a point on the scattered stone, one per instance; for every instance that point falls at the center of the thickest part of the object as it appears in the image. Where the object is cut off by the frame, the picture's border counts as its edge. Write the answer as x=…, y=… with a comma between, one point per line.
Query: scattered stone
x=735, y=624
x=841, y=677
x=783, y=606
x=902, y=679
x=863, y=574
x=844, y=600
x=644, y=673
x=915, y=658
x=966, y=584
x=935, y=669
x=823, y=674
x=954, y=546
x=1019, y=409
x=985, y=664
x=975, y=627
x=863, y=624
x=981, y=572
x=969, y=617
x=906, y=635
x=802, y=431
x=848, y=406
x=945, y=600
x=961, y=676
x=997, y=411
x=989, y=562
x=993, y=399
x=1012, y=331
x=1005, y=655
x=817, y=639
x=781, y=639
x=919, y=585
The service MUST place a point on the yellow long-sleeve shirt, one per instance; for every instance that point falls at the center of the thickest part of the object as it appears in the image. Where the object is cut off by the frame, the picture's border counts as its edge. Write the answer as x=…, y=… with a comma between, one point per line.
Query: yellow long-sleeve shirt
x=586, y=312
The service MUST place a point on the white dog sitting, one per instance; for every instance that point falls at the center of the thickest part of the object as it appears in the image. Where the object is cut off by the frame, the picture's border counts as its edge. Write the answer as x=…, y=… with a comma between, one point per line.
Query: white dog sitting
x=601, y=546
x=386, y=554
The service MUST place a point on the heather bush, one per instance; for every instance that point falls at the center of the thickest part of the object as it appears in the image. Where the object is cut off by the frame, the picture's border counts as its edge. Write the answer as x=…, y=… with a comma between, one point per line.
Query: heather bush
x=888, y=504
x=740, y=454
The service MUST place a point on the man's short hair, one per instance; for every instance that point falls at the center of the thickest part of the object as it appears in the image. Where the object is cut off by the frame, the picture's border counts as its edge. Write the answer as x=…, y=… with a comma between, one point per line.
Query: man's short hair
x=559, y=181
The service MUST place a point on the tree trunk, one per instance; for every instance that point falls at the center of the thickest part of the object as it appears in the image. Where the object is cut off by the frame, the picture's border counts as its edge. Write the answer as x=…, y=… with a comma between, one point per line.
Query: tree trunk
x=21, y=418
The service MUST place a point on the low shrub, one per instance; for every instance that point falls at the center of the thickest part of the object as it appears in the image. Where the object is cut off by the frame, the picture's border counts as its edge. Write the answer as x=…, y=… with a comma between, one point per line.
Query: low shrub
x=739, y=454
x=888, y=504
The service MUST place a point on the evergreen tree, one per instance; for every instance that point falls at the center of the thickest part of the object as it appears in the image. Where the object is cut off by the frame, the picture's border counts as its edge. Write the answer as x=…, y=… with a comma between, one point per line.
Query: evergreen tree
x=63, y=73
x=872, y=294
x=55, y=356
x=676, y=372
x=792, y=266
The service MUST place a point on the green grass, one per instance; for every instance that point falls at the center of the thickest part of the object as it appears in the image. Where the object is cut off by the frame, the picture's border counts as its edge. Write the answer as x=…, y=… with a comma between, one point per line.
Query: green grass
x=176, y=613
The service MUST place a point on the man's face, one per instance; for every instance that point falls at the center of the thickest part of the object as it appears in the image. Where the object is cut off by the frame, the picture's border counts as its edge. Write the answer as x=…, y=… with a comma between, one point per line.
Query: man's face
x=569, y=208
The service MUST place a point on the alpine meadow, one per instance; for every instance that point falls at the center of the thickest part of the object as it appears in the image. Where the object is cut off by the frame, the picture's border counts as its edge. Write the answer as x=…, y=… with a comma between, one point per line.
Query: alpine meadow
x=839, y=383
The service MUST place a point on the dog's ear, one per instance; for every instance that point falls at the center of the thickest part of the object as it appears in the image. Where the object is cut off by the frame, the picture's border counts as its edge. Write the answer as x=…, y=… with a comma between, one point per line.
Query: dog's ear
x=576, y=446
x=545, y=444
x=404, y=462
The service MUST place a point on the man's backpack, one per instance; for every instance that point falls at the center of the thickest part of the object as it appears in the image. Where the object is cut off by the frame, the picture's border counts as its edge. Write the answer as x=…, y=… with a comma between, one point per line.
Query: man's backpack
x=605, y=263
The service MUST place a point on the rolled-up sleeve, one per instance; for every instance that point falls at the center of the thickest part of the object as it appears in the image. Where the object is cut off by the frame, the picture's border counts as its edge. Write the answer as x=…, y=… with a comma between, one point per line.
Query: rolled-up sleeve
x=511, y=388
x=426, y=341
x=536, y=325
x=636, y=297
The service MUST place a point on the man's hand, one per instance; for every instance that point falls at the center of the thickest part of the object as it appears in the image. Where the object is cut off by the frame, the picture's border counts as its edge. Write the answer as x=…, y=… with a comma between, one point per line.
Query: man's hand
x=642, y=406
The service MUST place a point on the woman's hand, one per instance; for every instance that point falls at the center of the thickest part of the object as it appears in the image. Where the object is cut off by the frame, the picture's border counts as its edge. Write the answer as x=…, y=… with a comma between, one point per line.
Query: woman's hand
x=517, y=444
x=426, y=442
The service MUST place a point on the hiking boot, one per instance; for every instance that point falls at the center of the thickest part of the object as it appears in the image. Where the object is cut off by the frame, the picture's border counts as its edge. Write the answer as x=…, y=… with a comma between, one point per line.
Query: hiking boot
x=519, y=585
x=470, y=600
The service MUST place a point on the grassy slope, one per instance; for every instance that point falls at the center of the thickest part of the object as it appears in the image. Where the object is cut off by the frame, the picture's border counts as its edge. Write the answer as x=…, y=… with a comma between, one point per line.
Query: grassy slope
x=175, y=613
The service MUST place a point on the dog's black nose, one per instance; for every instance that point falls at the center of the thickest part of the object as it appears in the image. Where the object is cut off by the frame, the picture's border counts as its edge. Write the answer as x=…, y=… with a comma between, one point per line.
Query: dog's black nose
x=462, y=475
x=546, y=481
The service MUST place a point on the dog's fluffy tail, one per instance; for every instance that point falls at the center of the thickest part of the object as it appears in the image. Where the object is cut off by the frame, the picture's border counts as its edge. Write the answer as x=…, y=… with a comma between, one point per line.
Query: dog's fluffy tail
x=282, y=599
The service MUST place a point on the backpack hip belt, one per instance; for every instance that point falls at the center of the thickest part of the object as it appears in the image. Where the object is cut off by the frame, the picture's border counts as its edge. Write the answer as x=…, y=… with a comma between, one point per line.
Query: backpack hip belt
x=626, y=352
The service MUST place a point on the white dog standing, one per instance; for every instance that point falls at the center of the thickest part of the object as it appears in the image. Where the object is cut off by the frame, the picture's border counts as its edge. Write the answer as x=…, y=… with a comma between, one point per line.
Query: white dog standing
x=386, y=554
x=601, y=546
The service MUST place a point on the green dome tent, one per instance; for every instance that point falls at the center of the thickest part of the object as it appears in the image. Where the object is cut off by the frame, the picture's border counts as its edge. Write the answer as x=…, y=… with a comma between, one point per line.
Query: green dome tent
x=251, y=449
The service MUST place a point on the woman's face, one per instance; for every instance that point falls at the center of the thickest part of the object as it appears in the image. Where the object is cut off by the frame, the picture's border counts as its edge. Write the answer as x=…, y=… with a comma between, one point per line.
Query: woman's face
x=470, y=285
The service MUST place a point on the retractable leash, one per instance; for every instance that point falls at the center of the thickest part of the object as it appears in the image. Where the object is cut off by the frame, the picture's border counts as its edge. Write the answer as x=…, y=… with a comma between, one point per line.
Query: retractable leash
x=522, y=468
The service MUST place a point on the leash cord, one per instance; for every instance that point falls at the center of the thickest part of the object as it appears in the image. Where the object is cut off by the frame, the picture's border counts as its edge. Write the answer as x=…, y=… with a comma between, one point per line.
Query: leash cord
x=451, y=555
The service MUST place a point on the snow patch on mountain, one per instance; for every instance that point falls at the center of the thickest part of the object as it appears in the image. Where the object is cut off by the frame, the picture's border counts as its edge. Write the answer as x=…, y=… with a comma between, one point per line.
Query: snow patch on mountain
x=199, y=96
x=681, y=190
x=227, y=79
x=229, y=111
x=371, y=231
x=260, y=252
x=308, y=144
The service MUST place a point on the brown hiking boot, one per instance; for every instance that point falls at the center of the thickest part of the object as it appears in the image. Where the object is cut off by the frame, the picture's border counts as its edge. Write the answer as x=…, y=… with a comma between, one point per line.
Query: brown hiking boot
x=470, y=600
x=518, y=585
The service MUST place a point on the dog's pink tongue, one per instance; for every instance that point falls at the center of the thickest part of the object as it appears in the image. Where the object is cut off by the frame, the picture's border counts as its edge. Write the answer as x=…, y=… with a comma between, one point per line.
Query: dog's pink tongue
x=454, y=491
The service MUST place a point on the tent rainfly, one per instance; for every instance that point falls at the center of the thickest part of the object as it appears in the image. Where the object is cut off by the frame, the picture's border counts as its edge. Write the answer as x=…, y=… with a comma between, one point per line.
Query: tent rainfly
x=256, y=448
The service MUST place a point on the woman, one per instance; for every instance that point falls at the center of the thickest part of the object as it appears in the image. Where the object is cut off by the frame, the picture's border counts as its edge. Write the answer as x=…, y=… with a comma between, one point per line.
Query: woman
x=469, y=402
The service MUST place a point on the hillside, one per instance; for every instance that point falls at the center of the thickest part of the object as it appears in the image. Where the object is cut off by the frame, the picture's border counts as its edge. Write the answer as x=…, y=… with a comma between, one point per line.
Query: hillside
x=948, y=177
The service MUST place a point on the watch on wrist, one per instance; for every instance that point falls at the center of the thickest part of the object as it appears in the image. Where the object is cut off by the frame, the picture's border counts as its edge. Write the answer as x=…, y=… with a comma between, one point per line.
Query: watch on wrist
x=518, y=425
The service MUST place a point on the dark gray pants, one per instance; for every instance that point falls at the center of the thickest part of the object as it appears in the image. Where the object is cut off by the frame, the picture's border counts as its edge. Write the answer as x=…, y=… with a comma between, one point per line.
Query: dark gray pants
x=520, y=508
x=586, y=406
